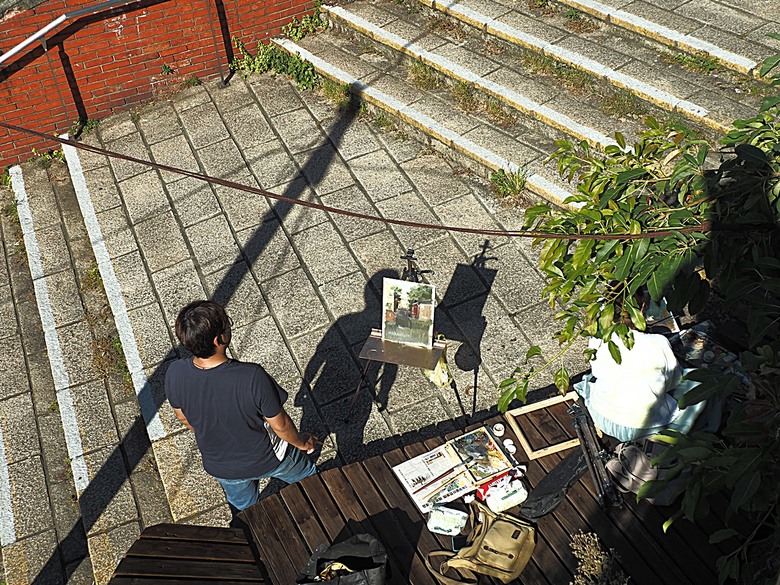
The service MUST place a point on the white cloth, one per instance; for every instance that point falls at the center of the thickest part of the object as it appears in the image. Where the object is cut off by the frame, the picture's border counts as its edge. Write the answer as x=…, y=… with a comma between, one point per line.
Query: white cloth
x=634, y=393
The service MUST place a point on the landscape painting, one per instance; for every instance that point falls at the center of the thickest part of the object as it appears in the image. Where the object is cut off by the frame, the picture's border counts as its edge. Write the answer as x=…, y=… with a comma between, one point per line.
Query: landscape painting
x=408, y=312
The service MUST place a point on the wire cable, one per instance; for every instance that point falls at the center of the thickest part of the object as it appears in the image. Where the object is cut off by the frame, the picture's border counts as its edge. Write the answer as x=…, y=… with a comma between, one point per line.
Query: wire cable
x=704, y=227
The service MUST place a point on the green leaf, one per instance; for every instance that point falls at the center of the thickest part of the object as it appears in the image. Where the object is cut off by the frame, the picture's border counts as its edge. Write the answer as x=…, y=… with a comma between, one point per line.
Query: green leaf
x=671, y=520
x=614, y=351
x=533, y=351
x=562, y=380
x=769, y=64
x=637, y=317
x=607, y=316
x=697, y=394
x=745, y=488
x=604, y=250
x=721, y=535
x=582, y=253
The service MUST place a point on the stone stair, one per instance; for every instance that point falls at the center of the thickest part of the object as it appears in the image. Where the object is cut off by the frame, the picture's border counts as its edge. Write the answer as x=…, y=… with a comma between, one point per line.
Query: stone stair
x=556, y=72
x=90, y=483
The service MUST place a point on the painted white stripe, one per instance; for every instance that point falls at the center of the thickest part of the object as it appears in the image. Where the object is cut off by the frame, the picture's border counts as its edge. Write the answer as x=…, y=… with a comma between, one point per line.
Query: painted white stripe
x=620, y=17
x=535, y=182
x=59, y=372
x=113, y=289
x=7, y=521
x=521, y=102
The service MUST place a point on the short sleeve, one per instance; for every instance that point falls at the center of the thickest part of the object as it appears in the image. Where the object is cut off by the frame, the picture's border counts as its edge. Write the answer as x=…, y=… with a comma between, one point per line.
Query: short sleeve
x=269, y=396
x=170, y=387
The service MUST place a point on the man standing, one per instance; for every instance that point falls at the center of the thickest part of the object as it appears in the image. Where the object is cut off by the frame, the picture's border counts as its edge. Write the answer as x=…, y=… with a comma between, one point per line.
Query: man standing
x=234, y=408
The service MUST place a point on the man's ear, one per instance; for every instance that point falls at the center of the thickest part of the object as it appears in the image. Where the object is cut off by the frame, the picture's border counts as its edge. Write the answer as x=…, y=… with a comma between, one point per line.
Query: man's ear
x=218, y=341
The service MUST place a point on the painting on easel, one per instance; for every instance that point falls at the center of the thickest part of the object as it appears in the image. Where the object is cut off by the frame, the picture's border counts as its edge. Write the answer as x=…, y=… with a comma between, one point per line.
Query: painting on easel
x=408, y=312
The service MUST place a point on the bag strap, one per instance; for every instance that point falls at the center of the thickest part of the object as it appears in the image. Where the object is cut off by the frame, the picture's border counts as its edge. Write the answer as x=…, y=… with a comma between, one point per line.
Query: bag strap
x=468, y=578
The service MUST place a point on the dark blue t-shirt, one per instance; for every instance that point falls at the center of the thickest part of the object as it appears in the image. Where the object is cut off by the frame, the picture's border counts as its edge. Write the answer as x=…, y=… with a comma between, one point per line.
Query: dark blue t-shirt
x=226, y=406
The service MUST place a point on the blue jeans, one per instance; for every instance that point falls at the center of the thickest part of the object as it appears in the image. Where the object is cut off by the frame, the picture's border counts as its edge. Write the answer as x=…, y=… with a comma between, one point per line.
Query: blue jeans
x=242, y=493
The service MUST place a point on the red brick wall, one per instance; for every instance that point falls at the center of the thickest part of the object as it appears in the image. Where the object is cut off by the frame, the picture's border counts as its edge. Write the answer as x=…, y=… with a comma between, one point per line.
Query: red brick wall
x=114, y=60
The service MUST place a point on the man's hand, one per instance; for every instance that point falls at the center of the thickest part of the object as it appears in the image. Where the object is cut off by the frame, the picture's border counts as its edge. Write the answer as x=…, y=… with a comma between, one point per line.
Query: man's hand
x=286, y=430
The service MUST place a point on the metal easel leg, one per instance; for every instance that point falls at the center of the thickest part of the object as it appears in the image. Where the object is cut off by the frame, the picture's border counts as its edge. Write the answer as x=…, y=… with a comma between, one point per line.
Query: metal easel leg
x=356, y=395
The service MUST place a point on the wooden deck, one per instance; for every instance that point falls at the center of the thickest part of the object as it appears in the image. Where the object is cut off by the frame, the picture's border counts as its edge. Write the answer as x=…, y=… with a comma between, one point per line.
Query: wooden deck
x=366, y=497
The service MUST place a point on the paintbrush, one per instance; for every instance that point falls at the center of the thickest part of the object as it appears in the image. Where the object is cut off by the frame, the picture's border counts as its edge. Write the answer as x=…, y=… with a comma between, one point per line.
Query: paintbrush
x=443, y=475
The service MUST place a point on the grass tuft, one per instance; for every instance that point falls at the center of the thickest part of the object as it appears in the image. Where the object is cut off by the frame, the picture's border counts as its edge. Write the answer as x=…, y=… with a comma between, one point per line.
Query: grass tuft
x=424, y=76
x=508, y=187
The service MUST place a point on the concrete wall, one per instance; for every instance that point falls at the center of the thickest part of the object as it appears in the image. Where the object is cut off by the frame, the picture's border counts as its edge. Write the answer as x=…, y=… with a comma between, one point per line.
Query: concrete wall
x=111, y=61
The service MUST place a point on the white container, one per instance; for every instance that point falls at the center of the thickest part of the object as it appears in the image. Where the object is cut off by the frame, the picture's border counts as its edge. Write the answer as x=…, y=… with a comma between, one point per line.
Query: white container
x=498, y=430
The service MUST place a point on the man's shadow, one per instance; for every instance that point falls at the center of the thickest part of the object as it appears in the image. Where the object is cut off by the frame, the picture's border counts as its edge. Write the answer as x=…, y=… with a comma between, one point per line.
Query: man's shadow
x=333, y=373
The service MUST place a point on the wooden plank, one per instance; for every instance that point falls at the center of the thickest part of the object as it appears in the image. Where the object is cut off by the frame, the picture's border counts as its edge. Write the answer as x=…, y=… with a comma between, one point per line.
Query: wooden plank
x=353, y=514
x=286, y=531
x=304, y=516
x=633, y=545
x=120, y=580
x=677, y=546
x=379, y=514
x=272, y=550
x=181, y=569
x=190, y=532
x=187, y=549
x=325, y=509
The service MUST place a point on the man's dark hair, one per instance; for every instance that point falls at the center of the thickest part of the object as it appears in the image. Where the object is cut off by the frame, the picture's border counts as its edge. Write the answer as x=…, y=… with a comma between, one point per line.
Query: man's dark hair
x=198, y=324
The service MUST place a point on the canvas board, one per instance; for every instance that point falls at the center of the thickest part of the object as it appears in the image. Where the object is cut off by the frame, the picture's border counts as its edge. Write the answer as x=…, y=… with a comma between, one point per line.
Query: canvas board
x=408, y=309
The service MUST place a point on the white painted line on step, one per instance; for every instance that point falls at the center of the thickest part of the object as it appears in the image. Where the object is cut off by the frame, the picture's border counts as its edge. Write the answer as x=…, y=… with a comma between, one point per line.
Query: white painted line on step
x=521, y=102
x=641, y=88
x=7, y=522
x=658, y=30
x=536, y=182
x=141, y=384
x=56, y=359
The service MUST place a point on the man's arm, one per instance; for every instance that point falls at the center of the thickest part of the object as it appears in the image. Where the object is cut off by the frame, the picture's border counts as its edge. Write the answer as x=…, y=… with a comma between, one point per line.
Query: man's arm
x=286, y=430
x=183, y=419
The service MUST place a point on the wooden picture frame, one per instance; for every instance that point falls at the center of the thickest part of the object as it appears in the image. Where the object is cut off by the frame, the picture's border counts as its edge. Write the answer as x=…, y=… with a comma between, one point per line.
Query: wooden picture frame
x=550, y=449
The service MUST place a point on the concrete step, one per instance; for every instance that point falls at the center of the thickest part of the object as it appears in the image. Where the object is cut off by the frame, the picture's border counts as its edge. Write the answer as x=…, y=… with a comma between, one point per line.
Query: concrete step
x=434, y=115
x=628, y=61
x=733, y=33
x=495, y=73
x=99, y=447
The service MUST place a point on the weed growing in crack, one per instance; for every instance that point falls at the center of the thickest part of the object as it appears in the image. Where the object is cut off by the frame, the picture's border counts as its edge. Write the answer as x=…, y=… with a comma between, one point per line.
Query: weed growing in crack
x=697, y=63
x=45, y=159
x=463, y=94
x=191, y=82
x=109, y=358
x=382, y=121
x=271, y=57
x=337, y=93
x=499, y=115
x=424, y=76
x=91, y=279
x=508, y=187
x=576, y=22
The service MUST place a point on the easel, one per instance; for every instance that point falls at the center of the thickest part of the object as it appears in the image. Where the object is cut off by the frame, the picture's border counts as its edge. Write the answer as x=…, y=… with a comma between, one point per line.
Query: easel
x=375, y=349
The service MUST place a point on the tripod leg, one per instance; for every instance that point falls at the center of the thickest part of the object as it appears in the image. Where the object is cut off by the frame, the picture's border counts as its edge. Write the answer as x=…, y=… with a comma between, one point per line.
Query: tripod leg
x=356, y=395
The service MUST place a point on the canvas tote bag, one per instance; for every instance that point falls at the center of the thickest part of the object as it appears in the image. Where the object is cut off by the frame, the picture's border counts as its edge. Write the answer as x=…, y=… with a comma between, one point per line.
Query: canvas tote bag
x=499, y=545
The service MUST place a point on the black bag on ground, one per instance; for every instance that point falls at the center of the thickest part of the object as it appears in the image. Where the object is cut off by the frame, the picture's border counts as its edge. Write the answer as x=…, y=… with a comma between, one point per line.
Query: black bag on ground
x=552, y=489
x=362, y=554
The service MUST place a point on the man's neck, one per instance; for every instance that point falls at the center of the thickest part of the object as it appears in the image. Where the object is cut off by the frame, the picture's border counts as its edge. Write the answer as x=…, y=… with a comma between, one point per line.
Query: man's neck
x=211, y=362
